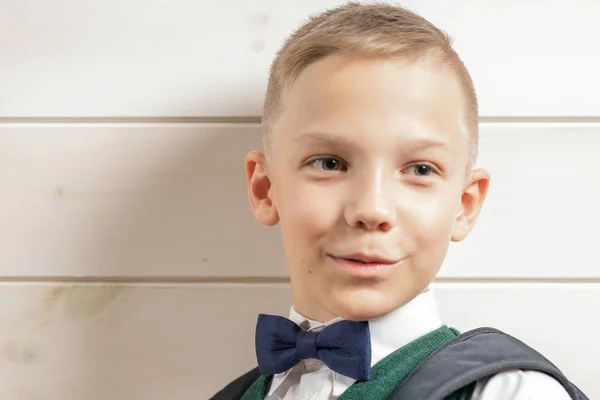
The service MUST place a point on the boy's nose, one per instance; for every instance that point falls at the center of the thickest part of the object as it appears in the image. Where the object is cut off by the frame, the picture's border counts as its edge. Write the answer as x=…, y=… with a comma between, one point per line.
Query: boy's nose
x=371, y=208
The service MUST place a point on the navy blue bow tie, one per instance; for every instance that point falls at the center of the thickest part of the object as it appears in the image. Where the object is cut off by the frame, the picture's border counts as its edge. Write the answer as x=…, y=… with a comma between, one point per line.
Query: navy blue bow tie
x=345, y=346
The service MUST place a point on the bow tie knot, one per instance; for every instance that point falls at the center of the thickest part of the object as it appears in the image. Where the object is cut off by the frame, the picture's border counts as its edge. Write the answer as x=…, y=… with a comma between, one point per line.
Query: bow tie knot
x=306, y=344
x=344, y=346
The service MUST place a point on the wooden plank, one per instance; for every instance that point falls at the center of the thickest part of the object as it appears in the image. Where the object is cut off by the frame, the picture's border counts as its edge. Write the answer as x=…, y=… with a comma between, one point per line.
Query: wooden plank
x=130, y=200
x=151, y=342
x=541, y=211
x=125, y=342
x=173, y=58
x=169, y=201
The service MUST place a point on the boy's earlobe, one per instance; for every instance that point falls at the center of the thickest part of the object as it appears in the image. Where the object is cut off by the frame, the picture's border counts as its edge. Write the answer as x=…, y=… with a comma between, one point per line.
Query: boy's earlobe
x=471, y=203
x=259, y=189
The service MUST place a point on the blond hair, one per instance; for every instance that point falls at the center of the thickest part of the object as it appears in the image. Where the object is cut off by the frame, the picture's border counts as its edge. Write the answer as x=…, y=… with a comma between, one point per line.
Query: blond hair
x=368, y=30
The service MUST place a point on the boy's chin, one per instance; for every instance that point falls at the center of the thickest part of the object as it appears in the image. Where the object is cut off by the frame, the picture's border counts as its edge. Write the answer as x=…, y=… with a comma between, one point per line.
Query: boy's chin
x=364, y=304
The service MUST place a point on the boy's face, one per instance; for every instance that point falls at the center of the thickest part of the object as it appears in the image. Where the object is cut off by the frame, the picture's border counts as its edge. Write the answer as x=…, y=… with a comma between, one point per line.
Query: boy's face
x=368, y=179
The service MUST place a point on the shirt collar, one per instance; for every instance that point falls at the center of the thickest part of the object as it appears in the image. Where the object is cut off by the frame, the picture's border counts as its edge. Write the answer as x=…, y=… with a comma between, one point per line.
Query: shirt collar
x=388, y=333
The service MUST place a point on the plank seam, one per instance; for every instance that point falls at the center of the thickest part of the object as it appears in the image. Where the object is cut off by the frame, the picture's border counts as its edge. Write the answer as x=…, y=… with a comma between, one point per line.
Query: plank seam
x=267, y=279
x=256, y=119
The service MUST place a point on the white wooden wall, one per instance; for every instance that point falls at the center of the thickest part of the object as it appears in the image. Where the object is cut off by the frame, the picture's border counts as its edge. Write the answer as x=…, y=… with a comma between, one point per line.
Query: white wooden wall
x=130, y=265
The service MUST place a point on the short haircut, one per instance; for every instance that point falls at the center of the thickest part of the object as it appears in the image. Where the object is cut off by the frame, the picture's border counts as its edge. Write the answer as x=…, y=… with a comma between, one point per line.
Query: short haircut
x=373, y=30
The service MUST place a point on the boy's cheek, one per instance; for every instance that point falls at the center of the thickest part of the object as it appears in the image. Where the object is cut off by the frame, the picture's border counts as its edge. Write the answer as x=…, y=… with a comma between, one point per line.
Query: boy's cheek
x=429, y=222
x=309, y=211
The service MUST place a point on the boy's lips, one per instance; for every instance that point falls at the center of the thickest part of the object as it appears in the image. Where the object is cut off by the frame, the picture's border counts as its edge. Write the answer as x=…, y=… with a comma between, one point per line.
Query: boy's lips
x=366, y=266
x=368, y=258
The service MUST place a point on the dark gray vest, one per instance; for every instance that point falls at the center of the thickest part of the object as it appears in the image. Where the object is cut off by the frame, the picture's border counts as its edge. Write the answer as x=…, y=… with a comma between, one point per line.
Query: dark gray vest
x=472, y=356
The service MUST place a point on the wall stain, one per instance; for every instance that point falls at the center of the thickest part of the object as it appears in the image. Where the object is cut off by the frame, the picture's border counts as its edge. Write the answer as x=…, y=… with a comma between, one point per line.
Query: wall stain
x=73, y=301
x=39, y=315
x=80, y=301
x=85, y=301
x=260, y=20
x=60, y=192
x=52, y=297
x=19, y=351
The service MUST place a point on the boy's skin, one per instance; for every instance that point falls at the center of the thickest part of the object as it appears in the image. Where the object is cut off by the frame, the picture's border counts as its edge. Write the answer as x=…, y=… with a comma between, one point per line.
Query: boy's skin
x=370, y=159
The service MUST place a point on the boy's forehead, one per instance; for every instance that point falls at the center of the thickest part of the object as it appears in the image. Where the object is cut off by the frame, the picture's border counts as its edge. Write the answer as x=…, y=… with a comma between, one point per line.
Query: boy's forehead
x=341, y=96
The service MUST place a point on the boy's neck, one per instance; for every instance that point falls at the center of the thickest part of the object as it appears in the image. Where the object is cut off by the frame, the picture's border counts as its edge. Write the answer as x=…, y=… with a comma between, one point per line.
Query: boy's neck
x=322, y=316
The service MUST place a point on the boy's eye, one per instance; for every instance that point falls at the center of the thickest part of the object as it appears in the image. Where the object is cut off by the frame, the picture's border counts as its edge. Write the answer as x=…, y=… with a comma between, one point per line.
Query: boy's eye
x=328, y=164
x=421, y=169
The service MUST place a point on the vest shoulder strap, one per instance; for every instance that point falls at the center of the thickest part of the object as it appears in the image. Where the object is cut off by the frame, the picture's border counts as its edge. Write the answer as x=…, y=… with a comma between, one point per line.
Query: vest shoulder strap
x=236, y=389
x=472, y=356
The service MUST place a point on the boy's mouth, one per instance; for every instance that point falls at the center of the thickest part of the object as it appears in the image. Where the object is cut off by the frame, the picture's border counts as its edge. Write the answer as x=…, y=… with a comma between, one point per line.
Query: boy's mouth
x=366, y=266
x=368, y=259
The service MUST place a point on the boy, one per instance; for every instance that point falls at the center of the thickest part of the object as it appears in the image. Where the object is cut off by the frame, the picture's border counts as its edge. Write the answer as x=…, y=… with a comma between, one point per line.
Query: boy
x=370, y=133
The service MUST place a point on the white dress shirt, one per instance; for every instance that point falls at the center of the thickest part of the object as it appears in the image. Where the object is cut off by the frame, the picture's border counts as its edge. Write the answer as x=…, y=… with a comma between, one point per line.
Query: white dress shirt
x=313, y=380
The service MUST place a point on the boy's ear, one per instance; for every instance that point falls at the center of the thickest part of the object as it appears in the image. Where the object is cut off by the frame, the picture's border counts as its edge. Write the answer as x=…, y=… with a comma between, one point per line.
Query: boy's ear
x=471, y=201
x=259, y=189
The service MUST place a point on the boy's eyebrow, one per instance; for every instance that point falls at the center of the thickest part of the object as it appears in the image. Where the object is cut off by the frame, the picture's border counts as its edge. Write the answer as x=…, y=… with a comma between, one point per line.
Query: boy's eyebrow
x=320, y=138
x=412, y=145
x=421, y=144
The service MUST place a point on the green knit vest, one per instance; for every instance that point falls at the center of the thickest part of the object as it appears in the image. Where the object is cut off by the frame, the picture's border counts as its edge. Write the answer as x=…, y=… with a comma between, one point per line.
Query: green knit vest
x=387, y=374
